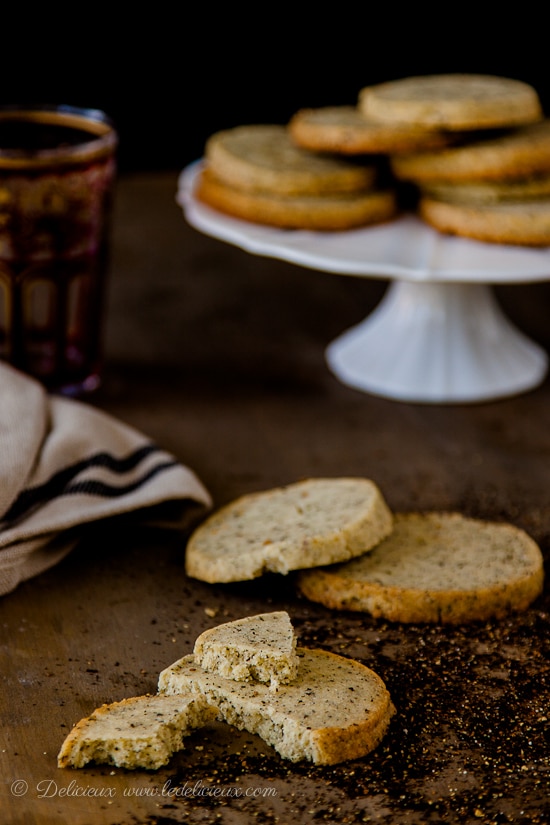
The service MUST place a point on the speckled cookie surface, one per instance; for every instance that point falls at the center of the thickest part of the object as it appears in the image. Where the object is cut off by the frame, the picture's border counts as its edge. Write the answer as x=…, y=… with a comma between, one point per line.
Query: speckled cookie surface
x=521, y=223
x=336, y=709
x=472, y=193
x=452, y=101
x=141, y=732
x=345, y=130
x=435, y=567
x=263, y=159
x=259, y=648
x=305, y=524
x=519, y=153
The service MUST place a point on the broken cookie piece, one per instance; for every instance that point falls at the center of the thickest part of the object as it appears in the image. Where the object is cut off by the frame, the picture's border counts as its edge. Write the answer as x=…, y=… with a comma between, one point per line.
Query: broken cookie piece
x=336, y=709
x=256, y=648
x=142, y=732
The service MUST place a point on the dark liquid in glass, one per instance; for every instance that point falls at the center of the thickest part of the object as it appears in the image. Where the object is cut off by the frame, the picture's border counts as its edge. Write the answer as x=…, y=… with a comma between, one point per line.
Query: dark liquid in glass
x=30, y=137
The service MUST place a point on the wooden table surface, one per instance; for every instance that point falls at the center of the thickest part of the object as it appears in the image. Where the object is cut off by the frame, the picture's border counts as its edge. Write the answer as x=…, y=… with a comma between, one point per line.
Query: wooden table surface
x=219, y=357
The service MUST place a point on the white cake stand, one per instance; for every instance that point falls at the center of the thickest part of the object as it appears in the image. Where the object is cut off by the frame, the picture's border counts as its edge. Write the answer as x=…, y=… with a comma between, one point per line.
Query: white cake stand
x=438, y=335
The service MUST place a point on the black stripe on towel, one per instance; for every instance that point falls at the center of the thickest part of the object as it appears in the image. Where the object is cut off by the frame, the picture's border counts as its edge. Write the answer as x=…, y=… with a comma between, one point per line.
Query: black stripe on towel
x=99, y=488
x=60, y=483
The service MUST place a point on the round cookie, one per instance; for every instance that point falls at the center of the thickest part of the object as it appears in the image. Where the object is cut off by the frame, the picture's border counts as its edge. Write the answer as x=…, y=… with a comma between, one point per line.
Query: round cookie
x=345, y=130
x=435, y=567
x=263, y=158
x=452, y=101
x=328, y=212
x=305, y=524
x=336, y=709
x=522, y=222
x=517, y=154
x=472, y=193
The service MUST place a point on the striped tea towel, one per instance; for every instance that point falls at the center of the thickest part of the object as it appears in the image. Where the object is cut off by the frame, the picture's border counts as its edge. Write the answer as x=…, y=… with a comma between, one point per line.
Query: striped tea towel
x=64, y=463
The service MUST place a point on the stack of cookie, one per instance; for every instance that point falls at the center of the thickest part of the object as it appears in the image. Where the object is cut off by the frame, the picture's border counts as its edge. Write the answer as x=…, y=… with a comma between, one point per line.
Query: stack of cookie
x=474, y=151
x=348, y=718
x=351, y=553
x=258, y=174
x=251, y=674
x=476, y=148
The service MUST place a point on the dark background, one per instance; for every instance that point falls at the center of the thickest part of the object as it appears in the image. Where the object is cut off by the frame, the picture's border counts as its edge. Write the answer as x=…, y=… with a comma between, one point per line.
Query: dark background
x=171, y=75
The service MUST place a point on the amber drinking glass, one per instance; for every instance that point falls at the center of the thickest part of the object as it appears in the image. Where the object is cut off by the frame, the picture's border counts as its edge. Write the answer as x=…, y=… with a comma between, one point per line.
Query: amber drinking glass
x=57, y=170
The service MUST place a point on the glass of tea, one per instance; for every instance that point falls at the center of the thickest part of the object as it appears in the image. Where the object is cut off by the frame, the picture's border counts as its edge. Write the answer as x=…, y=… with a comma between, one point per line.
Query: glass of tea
x=57, y=170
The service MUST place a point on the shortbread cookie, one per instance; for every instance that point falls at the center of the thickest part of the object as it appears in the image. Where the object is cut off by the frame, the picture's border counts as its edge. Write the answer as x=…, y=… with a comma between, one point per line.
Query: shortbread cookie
x=306, y=524
x=521, y=223
x=344, y=130
x=328, y=212
x=336, y=709
x=264, y=159
x=142, y=732
x=435, y=567
x=514, y=155
x=254, y=649
x=452, y=101
x=472, y=193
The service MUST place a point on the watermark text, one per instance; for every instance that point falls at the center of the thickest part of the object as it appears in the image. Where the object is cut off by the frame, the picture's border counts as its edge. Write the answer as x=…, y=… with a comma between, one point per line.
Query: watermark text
x=50, y=788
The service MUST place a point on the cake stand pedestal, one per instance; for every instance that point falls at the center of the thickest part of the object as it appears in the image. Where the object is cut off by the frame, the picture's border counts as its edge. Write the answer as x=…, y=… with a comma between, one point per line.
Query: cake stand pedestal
x=438, y=335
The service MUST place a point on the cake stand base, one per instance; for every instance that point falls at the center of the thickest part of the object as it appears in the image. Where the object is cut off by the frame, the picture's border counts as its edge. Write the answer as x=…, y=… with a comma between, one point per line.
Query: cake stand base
x=433, y=342
x=438, y=336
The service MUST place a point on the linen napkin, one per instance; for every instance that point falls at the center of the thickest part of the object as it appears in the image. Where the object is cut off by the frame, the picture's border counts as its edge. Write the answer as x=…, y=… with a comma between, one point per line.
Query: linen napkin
x=64, y=464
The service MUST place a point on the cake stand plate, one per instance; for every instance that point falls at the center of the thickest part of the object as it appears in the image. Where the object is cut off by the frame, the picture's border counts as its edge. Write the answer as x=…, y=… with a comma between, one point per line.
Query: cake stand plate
x=438, y=335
